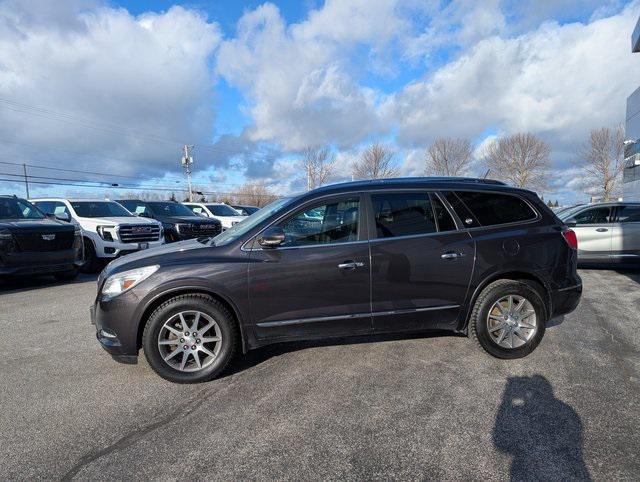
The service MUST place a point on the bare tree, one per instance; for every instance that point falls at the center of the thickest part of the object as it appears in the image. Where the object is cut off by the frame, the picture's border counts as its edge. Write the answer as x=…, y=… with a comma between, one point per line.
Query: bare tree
x=602, y=158
x=252, y=194
x=520, y=159
x=375, y=163
x=318, y=164
x=448, y=156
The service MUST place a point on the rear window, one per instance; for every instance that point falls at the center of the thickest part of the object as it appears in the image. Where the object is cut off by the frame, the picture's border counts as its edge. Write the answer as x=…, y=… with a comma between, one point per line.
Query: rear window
x=491, y=208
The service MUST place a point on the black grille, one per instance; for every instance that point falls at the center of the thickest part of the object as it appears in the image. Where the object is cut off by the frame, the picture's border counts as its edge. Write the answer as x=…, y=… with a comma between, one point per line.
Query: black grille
x=139, y=233
x=43, y=241
x=195, y=230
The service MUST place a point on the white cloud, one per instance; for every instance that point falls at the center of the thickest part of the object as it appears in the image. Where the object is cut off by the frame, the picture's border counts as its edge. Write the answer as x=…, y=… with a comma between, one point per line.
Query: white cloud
x=559, y=81
x=298, y=80
x=88, y=64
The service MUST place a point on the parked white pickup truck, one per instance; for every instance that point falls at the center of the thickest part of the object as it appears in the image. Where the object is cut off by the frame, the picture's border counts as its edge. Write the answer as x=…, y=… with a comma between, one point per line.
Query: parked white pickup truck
x=108, y=229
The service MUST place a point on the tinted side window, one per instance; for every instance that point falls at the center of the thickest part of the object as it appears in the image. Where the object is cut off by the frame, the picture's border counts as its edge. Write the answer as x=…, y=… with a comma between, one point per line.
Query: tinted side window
x=492, y=208
x=594, y=216
x=468, y=219
x=629, y=214
x=327, y=223
x=403, y=214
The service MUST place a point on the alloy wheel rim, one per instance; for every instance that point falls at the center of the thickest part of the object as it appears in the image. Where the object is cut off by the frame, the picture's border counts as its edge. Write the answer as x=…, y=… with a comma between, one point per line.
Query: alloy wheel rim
x=512, y=321
x=189, y=341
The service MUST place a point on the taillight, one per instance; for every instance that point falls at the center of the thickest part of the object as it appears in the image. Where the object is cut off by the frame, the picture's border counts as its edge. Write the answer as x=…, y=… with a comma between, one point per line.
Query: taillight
x=570, y=237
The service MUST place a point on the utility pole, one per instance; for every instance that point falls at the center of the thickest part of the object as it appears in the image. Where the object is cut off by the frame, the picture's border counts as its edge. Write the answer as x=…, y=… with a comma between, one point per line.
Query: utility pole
x=26, y=179
x=186, y=161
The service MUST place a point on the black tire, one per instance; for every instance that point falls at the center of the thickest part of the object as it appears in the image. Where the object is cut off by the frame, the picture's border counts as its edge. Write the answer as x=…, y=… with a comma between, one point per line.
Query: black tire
x=66, y=275
x=207, y=305
x=478, y=327
x=90, y=263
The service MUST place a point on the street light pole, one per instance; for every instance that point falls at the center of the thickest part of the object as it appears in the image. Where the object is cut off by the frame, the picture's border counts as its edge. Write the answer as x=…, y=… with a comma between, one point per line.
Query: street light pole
x=26, y=179
x=187, y=160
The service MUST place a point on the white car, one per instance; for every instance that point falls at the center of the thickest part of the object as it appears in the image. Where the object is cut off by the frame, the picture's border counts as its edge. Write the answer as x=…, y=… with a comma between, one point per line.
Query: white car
x=222, y=212
x=108, y=229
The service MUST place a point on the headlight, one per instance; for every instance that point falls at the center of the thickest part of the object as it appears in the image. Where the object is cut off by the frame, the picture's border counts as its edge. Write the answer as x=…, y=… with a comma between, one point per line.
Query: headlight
x=121, y=282
x=104, y=234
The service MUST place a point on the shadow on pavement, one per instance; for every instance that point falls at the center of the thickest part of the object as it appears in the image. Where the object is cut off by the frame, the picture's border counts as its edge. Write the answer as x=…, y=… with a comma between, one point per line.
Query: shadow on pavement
x=632, y=274
x=260, y=355
x=542, y=433
x=17, y=284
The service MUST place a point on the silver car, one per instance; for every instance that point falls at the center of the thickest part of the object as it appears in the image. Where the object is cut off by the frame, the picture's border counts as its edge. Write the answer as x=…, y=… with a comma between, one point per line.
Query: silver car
x=607, y=233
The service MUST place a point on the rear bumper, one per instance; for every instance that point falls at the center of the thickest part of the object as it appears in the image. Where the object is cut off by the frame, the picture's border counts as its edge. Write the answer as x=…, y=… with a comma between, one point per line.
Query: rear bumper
x=566, y=300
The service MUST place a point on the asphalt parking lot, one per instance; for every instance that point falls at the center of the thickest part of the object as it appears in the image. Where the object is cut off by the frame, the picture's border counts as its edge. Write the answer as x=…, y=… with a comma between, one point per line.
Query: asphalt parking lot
x=368, y=408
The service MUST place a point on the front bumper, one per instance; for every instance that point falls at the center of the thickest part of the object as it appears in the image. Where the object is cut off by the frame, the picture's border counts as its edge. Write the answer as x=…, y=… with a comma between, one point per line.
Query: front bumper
x=115, y=332
x=38, y=263
x=115, y=249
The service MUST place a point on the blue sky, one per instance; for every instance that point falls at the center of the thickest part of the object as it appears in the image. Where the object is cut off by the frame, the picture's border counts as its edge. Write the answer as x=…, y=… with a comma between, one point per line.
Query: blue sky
x=116, y=87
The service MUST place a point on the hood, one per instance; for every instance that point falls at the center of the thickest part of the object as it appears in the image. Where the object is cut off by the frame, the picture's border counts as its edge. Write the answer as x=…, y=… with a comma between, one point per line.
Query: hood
x=150, y=256
x=35, y=225
x=115, y=221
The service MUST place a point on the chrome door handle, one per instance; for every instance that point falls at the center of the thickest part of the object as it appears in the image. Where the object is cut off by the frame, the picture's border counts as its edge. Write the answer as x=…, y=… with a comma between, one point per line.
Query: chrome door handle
x=602, y=230
x=452, y=255
x=350, y=265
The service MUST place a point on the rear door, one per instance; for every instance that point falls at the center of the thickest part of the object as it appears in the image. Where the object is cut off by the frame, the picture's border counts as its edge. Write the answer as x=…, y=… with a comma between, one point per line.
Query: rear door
x=593, y=227
x=316, y=283
x=625, y=234
x=421, y=263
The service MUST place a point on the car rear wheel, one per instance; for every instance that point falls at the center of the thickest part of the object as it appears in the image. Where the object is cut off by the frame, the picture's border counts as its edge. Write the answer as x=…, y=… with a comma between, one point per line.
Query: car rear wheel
x=508, y=319
x=190, y=339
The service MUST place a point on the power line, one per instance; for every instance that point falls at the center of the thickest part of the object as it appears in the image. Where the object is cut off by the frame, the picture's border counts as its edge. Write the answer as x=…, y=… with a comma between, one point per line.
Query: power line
x=133, y=188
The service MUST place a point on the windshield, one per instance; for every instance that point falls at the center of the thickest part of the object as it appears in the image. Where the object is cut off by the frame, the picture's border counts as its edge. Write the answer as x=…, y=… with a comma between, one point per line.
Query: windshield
x=12, y=208
x=169, y=209
x=100, y=209
x=250, y=222
x=222, y=210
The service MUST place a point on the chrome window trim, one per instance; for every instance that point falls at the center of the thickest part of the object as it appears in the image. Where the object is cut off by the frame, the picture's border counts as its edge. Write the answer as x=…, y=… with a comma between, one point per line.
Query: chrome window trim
x=297, y=321
x=357, y=194
x=411, y=236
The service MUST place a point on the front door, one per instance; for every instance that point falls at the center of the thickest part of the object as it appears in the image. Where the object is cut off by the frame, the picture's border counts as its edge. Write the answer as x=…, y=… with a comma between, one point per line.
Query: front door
x=316, y=283
x=421, y=263
x=593, y=229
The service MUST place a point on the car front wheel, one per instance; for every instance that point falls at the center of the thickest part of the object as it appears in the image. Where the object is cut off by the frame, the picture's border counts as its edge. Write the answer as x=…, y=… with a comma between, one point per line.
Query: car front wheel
x=508, y=319
x=190, y=339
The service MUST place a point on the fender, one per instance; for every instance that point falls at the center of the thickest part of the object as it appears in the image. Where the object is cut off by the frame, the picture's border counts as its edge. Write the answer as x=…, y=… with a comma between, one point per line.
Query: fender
x=178, y=286
x=489, y=277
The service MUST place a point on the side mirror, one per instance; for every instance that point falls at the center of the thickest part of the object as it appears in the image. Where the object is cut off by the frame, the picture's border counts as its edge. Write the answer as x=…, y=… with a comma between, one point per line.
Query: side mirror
x=271, y=237
x=571, y=222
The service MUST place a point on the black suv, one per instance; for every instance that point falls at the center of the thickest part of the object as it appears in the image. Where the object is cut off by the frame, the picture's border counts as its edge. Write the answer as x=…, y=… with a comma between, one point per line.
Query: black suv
x=34, y=244
x=178, y=221
x=403, y=255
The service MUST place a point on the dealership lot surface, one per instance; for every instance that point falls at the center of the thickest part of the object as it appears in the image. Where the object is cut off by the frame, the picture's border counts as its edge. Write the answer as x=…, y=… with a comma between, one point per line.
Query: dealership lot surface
x=392, y=407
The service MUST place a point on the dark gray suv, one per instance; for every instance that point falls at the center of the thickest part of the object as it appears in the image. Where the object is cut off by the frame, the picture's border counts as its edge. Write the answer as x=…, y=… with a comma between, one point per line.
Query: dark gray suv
x=403, y=255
